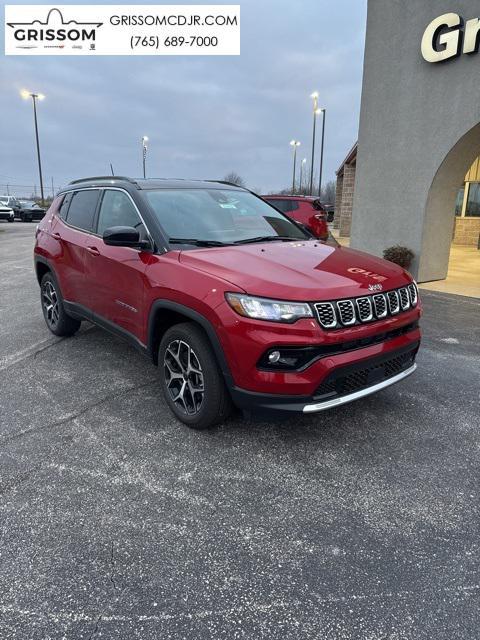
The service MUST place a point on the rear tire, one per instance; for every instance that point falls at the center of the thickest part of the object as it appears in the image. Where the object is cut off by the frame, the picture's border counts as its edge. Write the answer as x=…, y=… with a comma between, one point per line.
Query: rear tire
x=56, y=318
x=192, y=382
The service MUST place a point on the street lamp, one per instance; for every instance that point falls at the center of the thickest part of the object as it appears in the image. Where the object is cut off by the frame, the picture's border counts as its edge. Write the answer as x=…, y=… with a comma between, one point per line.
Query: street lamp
x=302, y=167
x=144, y=152
x=35, y=96
x=316, y=111
x=324, y=112
x=294, y=144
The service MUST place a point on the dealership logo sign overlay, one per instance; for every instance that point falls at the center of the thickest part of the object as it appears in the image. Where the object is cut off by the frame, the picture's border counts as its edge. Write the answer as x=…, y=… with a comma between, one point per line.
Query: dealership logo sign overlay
x=122, y=30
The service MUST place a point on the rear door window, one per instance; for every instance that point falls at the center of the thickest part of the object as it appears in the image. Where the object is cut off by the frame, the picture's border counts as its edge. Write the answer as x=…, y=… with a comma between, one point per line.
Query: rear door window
x=81, y=211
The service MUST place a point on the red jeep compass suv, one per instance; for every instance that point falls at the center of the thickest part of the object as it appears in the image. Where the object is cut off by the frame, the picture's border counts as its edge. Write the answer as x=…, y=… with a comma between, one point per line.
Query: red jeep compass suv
x=231, y=299
x=307, y=210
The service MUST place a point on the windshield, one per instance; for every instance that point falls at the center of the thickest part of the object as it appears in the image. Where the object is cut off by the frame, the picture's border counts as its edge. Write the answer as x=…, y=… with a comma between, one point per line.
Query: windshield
x=218, y=215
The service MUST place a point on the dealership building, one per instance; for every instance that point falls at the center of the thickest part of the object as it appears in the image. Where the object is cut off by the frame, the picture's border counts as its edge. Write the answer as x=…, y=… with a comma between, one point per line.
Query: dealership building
x=414, y=178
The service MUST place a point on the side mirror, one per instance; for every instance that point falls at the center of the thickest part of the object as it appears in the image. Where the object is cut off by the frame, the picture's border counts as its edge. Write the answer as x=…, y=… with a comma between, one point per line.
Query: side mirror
x=124, y=237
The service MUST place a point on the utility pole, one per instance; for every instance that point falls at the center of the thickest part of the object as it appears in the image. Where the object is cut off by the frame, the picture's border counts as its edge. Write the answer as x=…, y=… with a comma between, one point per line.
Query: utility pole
x=324, y=112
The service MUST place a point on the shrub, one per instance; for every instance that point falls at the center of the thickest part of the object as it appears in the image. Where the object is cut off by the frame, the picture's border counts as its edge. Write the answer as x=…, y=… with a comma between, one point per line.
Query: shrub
x=399, y=255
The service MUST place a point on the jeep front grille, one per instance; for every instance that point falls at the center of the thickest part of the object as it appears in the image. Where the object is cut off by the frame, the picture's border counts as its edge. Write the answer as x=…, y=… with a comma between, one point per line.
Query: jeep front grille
x=404, y=298
x=346, y=312
x=380, y=305
x=412, y=290
x=336, y=314
x=326, y=315
x=393, y=302
x=365, y=309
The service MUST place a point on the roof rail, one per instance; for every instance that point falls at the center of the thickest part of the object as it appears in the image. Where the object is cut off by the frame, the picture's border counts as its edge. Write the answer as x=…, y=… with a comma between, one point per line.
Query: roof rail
x=95, y=178
x=230, y=184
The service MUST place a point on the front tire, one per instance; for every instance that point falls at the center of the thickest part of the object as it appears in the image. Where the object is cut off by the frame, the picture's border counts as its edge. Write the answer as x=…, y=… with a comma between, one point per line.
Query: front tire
x=192, y=382
x=56, y=318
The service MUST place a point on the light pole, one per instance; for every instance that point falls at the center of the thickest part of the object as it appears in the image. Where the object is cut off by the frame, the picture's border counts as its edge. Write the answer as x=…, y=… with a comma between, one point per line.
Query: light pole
x=302, y=166
x=35, y=96
x=324, y=112
x=144, y=153
x=316, y=111
x=294, y=144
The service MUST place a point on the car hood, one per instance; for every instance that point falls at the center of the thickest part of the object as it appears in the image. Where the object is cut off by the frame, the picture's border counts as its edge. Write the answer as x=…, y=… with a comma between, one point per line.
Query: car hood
x=297, y=270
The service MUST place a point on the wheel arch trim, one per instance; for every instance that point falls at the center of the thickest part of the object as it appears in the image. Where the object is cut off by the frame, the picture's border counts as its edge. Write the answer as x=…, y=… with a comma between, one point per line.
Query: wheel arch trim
x=201, y=320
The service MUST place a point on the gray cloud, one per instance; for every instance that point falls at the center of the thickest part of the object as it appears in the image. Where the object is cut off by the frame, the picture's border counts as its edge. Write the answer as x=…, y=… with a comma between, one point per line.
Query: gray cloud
x=205, y=115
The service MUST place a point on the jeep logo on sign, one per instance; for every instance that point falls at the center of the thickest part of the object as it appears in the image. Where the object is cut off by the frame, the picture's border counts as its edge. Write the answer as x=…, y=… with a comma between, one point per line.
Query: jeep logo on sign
x=448, y=36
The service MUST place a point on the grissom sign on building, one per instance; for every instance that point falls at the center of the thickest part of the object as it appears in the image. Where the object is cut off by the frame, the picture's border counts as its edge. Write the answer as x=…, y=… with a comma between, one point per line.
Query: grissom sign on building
x=448, y=36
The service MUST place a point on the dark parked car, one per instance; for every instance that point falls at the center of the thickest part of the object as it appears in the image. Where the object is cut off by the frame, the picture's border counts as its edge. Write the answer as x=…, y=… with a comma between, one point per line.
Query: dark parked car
x=232, y=300
x=30, y=211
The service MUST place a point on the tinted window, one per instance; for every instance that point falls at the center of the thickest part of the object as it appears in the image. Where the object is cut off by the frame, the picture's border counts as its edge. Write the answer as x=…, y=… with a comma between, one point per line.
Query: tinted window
x=473, y=200
x=62, y=212
x=284, y=205
x=459, y=202
x=82, y=209
x=117, y=210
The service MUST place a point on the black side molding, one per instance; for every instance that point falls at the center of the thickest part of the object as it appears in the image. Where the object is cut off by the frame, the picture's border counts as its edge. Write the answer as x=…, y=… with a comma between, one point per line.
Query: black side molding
x=80, y=312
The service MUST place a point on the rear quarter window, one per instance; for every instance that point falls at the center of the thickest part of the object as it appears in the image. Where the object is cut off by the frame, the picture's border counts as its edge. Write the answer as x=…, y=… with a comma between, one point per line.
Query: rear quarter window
x=81, y=212
x=283, y=205
x=63, y=209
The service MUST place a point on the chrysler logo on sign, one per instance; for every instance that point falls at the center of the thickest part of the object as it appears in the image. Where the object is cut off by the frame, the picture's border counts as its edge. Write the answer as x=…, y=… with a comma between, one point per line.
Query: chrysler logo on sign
x=54, y=32
x=448, y=36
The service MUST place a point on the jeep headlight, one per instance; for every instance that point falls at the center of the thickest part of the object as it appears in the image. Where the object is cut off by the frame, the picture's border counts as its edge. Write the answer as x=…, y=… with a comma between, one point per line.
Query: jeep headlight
x=266, y=309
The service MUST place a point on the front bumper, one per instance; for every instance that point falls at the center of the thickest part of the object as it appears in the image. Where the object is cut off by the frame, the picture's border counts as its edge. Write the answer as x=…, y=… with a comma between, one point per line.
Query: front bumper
x=344, y=384
x=32, y=216
x=6, y=215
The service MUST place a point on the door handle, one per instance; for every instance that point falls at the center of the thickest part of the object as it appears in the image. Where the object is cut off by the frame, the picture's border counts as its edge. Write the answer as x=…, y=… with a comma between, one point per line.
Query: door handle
x=56, y=235
x=93, y=251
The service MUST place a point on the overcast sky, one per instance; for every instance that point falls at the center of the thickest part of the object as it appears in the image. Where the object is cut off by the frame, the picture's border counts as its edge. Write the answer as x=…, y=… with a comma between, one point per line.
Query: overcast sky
x=205, y=116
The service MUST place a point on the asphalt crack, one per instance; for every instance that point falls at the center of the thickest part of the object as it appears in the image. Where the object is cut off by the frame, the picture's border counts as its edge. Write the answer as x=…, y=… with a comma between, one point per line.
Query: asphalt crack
x=112, y=566
x=95, y=630
x=77, y=414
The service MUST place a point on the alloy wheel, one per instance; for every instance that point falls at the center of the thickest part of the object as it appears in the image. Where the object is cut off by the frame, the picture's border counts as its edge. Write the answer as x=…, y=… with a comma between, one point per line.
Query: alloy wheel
x=184, y=377
x=50, y=304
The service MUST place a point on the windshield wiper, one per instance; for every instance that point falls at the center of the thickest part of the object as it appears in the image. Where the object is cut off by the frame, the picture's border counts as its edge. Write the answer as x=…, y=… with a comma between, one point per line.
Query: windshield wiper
x=267, y=239
x=198, y=243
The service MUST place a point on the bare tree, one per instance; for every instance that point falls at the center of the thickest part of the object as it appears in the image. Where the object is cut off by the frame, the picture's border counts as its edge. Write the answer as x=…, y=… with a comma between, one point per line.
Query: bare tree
x=234, y=178
x=328, y=192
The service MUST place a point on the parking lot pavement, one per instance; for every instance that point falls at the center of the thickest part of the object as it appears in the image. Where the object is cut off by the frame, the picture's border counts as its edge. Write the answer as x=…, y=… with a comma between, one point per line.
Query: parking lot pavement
x=116, y=522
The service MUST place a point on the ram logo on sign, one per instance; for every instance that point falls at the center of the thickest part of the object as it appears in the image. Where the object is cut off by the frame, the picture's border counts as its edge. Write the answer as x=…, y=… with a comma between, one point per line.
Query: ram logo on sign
x=448, y=36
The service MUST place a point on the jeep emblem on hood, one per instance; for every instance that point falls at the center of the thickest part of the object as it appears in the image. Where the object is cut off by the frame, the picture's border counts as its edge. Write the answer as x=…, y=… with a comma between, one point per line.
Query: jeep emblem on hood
x=375, y=287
